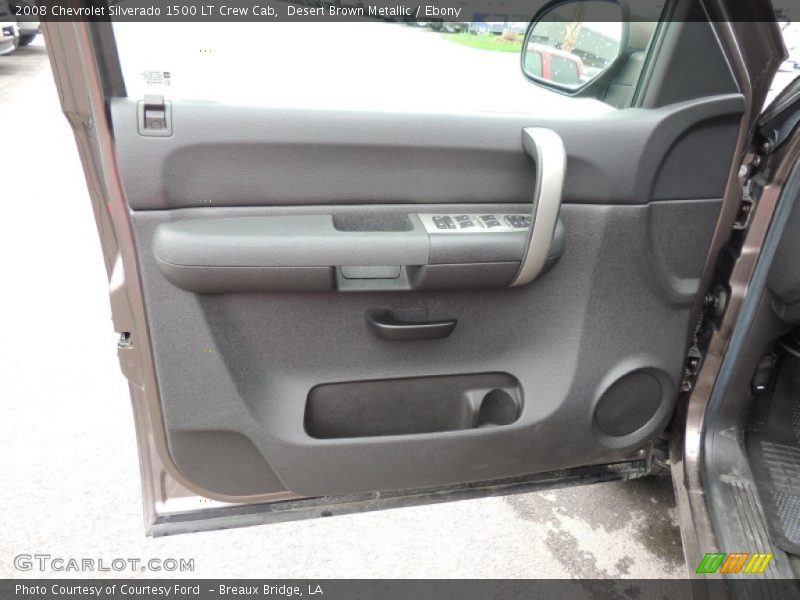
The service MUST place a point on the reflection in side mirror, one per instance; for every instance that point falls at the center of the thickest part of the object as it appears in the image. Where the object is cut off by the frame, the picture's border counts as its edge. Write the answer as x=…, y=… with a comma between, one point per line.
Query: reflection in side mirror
x=574, y=42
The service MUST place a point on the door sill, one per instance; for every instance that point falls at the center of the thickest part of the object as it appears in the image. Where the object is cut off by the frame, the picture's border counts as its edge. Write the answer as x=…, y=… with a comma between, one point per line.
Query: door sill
x=244, y=515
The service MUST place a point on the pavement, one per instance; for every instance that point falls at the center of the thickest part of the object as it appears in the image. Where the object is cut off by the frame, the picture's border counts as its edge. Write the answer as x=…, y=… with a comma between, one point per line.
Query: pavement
x=70, y=474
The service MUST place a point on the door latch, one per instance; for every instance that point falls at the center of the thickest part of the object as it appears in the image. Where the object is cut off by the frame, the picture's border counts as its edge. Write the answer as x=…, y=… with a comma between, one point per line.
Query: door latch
x=748, y=202
x=155, y=116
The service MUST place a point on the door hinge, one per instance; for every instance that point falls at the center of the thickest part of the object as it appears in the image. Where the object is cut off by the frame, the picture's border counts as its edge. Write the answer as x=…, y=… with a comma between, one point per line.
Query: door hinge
x=693, y=358
x=716, y=301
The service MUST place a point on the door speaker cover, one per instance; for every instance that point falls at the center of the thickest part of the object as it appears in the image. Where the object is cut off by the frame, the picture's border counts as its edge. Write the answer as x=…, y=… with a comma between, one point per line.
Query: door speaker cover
x=628, y=404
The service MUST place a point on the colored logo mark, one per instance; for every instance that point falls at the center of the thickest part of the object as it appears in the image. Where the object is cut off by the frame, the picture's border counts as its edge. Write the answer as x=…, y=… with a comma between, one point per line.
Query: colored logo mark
x=734, y=562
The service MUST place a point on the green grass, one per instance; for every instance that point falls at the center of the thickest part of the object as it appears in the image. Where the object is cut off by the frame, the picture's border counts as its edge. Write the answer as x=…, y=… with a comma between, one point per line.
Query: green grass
x=487, y=41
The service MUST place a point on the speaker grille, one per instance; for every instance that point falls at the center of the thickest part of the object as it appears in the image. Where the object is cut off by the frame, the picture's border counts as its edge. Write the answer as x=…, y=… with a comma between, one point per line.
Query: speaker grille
x=628, y=404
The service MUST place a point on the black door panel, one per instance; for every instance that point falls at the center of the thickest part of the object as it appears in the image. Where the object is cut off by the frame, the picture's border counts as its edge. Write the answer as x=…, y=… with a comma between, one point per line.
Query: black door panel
x=330, y=301
x=250, y=223
x=242, y=365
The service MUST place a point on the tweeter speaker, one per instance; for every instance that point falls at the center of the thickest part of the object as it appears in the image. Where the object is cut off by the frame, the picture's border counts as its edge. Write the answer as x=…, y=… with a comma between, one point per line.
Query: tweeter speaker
x=628, y=404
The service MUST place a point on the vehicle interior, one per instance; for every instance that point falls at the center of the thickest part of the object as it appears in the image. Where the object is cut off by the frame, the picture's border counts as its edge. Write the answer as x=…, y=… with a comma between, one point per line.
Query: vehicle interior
x=315, y=329
x=753, y=448
x=343, y=303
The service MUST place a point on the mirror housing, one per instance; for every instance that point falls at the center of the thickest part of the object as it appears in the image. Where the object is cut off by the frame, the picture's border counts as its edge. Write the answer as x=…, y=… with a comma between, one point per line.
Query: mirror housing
x=570, y=43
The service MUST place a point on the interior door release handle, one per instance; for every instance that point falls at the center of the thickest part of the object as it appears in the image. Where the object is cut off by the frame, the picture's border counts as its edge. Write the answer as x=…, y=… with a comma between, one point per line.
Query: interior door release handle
x=547, y=151
x=385, y=326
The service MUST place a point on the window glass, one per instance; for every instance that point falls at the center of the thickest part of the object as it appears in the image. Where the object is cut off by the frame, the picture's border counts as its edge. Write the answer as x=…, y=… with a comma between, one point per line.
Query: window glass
x=533, y=63
x=452, y=67
x=564, y=69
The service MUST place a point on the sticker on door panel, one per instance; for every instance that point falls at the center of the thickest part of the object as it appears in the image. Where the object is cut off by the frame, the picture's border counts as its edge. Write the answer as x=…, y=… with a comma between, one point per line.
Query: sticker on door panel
x=157, y=78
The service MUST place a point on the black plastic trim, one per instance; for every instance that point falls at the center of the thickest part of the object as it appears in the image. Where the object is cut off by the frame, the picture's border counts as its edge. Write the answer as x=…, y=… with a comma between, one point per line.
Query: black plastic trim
x=385, y=326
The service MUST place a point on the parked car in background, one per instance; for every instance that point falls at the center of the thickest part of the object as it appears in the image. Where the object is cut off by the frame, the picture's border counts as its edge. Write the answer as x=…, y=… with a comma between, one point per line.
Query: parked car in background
x=27, y=22
x=456, y=26
x=553, y=64
x=494, y=24
x=9, y=32
x=10, y=37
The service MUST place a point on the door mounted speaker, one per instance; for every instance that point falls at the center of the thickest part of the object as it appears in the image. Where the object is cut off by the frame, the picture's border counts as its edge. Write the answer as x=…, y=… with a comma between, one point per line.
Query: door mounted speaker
x=629, y=403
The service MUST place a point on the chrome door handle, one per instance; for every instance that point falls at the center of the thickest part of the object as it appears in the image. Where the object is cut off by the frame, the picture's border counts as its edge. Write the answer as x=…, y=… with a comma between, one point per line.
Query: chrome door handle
x=547, y=151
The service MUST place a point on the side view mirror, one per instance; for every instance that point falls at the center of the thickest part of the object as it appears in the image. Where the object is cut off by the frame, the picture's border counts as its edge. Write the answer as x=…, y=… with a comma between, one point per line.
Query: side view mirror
x=570, y=43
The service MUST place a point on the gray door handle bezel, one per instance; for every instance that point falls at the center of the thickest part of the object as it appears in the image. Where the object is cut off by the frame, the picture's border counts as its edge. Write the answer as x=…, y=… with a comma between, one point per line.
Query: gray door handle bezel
x=546, y=149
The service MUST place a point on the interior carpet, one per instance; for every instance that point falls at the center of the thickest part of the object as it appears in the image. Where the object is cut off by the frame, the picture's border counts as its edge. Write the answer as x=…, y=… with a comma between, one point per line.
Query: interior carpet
x=773, y=443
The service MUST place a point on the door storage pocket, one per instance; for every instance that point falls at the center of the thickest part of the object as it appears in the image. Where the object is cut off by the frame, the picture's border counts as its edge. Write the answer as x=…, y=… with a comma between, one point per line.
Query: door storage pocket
x=412, y=405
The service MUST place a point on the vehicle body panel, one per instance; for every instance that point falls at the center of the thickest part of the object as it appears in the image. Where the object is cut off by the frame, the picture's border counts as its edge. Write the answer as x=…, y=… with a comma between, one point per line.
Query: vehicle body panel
x=265, y=385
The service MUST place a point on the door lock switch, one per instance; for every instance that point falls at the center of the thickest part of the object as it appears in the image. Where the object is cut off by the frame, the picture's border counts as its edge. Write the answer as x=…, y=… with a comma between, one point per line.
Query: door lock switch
x=155, y=116
x=155, y=113
x=519, y=221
